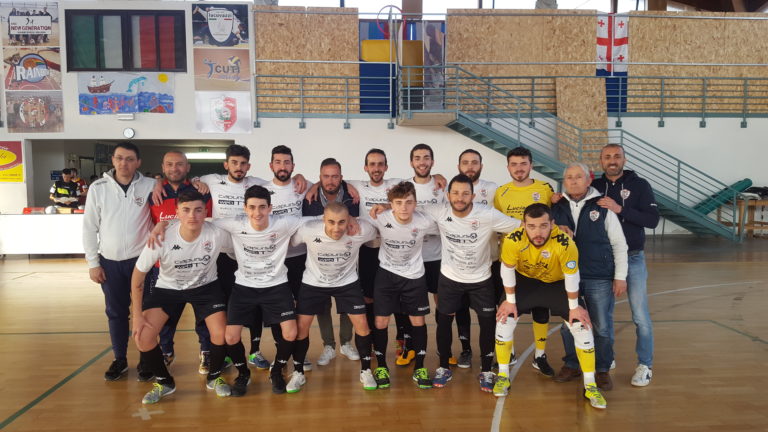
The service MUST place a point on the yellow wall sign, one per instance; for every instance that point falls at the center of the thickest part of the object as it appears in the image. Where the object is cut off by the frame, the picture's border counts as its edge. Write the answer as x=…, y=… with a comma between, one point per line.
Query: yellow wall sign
x=11, y=162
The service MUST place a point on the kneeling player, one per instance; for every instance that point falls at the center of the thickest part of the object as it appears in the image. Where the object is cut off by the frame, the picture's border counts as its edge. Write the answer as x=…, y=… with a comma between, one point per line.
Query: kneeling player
x=400, y=279
x=187, y=275
x=540, y=269
x=331, y=271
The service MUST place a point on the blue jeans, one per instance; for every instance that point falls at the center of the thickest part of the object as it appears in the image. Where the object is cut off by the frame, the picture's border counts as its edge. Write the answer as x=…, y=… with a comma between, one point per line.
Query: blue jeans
x=599, y=299
x=637, y=292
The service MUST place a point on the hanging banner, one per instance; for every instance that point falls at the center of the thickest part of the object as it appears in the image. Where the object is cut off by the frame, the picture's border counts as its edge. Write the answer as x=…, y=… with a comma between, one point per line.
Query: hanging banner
x=222, y=69
x=30, y=23
x=125, y=92
x=11, y=162
x=34, y=111
x=227, y=112
x=220, y=25
x=32, y=68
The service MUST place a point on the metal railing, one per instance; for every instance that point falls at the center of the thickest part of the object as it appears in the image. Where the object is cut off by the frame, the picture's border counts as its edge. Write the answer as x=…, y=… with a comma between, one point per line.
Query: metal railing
x=455, y=89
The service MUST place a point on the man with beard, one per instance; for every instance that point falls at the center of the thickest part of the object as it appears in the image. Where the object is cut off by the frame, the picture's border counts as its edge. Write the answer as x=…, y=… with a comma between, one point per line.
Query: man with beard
x=631, y=199
x=332, y=189
x=466, y=230
x=540, y=269
x=175, y=168
x=471, y=165
x=512, y=199
x=286, y=201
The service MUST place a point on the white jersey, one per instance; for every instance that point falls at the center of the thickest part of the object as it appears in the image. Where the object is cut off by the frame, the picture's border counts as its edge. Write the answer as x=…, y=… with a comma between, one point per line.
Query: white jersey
x=116, y=223
x=185, y=265
x=331, y=263
x=466, y=255
x=260, y=254
x=228, y=198
x=484, y=193
x=401, y=244
x=287, y=202
x=427, y=195
x=371, y=195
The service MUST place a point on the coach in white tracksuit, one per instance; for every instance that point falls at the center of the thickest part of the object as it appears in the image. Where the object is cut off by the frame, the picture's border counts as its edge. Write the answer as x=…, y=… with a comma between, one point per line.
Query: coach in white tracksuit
x=116, y=226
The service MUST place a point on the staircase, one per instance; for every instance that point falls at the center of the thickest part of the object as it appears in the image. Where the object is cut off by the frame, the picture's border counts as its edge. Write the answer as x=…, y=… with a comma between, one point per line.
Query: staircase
x=501, y=120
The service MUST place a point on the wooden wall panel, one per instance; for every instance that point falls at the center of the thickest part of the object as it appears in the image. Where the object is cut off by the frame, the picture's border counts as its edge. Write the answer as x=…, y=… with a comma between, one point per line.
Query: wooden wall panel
x=581, y=102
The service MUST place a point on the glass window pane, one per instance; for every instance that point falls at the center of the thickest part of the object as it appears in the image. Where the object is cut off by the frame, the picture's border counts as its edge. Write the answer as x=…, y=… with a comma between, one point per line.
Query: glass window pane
x=168, y=56
x=111, y=42
x=83, y=43
x=143, y=43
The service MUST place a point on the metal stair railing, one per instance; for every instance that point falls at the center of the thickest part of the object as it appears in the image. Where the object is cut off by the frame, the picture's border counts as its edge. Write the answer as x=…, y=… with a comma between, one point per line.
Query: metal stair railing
x=682, y=187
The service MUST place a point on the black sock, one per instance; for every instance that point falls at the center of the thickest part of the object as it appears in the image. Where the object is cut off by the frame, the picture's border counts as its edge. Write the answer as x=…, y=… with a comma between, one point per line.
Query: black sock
x=419, y=345
x=444, y=338
x=284, y=351
x=152, y=360
x=487, y=341
x=237, y=354
x=401, y=321
x=218, y=352
x=463, y=322
x=380, y=341
x=277, y=333
x=300, y=348
x=256, y=329
x=363, y=345
x=370, y=316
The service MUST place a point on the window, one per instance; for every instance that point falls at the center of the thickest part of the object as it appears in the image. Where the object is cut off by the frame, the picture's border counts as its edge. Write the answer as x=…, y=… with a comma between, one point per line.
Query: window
x=125, y=40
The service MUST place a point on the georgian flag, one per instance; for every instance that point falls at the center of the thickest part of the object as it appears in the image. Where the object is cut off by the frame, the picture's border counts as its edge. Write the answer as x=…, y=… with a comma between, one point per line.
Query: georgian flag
x=612, y=43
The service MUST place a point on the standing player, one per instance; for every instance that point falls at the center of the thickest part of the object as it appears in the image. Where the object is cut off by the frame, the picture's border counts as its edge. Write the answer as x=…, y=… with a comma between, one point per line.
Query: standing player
x=400, y=281
x=540, y=269
x=187, y=275
x=115, y=227
x=332, y=257
x=631, y=199
x=471, y=165
x=465, y=270
x=175, y=168
x=512, y=199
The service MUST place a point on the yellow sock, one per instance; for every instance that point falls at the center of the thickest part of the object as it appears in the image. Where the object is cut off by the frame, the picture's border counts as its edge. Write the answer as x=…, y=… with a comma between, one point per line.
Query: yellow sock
x=540, y=336
x=504, y=355
x=586, y=359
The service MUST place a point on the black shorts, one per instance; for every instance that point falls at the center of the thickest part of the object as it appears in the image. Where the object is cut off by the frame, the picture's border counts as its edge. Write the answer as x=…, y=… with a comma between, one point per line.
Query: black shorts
x=396, y=294
x=205, y=300
x=296, y=267
x=275, y=302
x=533, y=293
x=497, y=283
x=226, y=268
x=450, y=296
x=368, y=266
x=316, y=300
x=432, y=272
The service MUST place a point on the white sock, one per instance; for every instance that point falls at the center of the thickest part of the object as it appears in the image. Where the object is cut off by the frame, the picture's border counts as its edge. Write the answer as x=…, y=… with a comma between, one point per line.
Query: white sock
x=504, y=369
x=589, y=378
x=539, y=353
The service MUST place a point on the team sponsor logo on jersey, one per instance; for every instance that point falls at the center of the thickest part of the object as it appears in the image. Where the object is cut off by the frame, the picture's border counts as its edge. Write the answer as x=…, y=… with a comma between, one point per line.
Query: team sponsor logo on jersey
x=475, y=224
x=192, y=262
x=435, y=192
x=571, y=264
x=594, y=215
x=461, y=238
x=176, y=247
x=536, y=197
x=545, y=254
x=139, y=201
x=624, y=193
x=208, y=246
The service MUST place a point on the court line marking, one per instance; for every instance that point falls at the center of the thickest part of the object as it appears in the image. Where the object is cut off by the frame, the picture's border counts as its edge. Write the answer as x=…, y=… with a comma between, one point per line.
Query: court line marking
x=55, y=387
x=496, y=419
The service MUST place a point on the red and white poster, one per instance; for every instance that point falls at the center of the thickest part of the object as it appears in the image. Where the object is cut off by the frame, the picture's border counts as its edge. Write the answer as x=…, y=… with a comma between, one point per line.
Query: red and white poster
x=223, y=112
x=612, y=43
x=11, y=162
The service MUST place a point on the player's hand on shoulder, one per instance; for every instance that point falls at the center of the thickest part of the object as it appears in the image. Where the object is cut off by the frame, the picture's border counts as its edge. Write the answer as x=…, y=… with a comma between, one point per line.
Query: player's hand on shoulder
x=440, y=182
x=158, y=193
x=353, y=226
x=353, y=193
x=157, y=235
x=312, y=193
x=299, y=184
x=201, y=187
x=378, y=209
x=566, y=229
x=557, y=196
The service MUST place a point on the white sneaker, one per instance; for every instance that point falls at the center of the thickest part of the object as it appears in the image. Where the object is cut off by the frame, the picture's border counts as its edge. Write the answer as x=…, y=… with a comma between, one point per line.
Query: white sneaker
x=613, y=365
x=328, y=354
x=366, y=377
x=294, y=384
x=307, y=365
x=349, y=351
x=642, y=376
